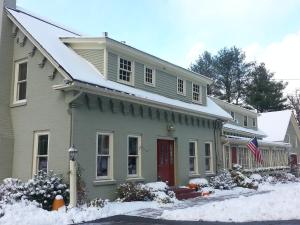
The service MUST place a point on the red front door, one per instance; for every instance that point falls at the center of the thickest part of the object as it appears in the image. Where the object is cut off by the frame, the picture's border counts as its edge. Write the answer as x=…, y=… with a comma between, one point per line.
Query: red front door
x=165, y=161
x=233, y=155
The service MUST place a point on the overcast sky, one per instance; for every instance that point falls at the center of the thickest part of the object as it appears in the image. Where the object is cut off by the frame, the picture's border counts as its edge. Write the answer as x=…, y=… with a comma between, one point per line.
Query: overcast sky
x=180, y=30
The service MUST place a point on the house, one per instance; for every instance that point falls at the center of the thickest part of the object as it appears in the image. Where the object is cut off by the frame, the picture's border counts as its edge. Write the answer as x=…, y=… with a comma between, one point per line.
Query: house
x=132, y=116
x=286, y=131
x=245, y=125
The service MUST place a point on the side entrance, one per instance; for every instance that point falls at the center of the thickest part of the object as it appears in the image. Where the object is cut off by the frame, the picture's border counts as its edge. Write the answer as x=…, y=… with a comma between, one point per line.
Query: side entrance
x=165, y=161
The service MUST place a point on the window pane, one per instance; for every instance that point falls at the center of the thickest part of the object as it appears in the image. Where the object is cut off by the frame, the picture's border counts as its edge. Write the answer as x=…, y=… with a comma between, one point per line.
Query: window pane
x=207, y=149
x=22, y=71
x=192, y=164
x=103, y=144
x=132, y=165
x=133, y=145
x=207, y=164
x=102, y=166
x=43, y=145
x=42, y=163
x=21, y=91
x=192, y=148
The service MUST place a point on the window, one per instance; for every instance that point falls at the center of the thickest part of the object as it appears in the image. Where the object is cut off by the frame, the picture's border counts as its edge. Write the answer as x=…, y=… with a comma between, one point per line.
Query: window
x=227, y=157
x=181, y=89
x=253, y=122
x=243, y=157
x=134, y=155
x=125, y=71
x=20, y=82
x=41, y=151
x=197, y=93
x=104, y=155
x=245, y=121
x=193, y=157
x=232, y=115
x=208, y=158
x=296, y=141
x=149, y=76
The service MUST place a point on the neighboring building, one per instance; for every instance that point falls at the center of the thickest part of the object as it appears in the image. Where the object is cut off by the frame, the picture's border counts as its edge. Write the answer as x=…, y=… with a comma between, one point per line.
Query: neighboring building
x=286, y=131
x=132, y=116
x=237, y=133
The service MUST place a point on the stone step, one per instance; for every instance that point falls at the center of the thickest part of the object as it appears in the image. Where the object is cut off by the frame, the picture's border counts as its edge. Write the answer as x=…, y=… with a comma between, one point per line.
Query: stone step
x=188, y=195
x=184, y=193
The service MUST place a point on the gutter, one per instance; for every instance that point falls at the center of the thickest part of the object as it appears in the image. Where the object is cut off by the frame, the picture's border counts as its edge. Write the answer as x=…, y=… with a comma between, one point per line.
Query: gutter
x=97, y=90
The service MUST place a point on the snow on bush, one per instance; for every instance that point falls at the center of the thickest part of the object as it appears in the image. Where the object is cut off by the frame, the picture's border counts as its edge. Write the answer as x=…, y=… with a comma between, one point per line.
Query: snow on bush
x=279, y=177
x=42, y=189
x=97, y=203
x=242, y=180
x=256, y=177
x=160, y=192
x=157, y=186
x=223, y=181
x=200, y=182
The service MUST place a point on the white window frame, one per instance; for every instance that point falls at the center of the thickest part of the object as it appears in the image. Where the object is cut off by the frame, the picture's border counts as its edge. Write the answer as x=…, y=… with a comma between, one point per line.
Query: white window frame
x=153, y=76
x=254, y=122
x=139, y=156
x=246, y=121
x=211, y=158
x=131, y=80
x=16, y=81
x=224, y=158
x=195, y=157
x=110, y=155
x=184, y=86
x=35, y=150
x=199, y=101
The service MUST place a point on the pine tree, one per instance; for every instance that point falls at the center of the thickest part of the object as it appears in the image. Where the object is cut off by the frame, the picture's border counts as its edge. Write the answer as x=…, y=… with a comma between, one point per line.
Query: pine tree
x=263, y=93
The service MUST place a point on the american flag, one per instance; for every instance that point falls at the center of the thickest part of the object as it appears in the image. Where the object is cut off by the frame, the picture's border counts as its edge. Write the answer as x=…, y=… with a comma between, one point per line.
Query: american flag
x=253, y=147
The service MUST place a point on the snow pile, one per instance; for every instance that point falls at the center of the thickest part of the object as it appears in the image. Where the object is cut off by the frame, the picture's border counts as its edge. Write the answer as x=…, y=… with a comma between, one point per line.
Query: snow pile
x=280, y=204
x=200, y=182
x=256, y=177
x=160, y=192
x=156, y=186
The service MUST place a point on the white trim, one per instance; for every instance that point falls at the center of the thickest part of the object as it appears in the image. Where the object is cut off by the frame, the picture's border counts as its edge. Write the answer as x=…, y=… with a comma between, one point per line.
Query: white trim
x=184, y=86
x=139, y=156
x=131, y=82
x=105, y=59
x=199, y=101
x=254, y=122
x=153, y=84
x=15, y=80
x=110, y=155
x=196, y=170
x=230, y=156
x=211, y=158
x=244, y=121
x=36, y=134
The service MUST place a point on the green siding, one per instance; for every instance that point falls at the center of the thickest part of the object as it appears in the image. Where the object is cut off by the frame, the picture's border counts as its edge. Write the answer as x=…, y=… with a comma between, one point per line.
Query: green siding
x=94, y=56
x=166, y=84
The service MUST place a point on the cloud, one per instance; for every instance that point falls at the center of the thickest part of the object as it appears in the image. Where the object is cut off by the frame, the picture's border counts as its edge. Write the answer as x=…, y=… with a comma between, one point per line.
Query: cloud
x=282, y=58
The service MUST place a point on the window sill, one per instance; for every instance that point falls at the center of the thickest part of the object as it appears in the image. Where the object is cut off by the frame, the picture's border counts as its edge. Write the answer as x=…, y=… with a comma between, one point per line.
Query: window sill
x=17, y=104
x=197, y=102
x=210, y=174
x=149, y=84
x=194, y=175
x=135, y=179
x=104, y=182
x=182, y=94
x=125, y=82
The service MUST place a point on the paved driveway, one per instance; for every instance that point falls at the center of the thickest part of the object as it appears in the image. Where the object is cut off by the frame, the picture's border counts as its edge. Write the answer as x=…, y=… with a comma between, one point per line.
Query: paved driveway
x=134, y=220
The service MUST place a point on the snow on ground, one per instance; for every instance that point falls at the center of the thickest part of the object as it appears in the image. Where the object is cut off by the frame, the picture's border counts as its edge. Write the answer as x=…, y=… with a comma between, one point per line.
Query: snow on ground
x=281, y=203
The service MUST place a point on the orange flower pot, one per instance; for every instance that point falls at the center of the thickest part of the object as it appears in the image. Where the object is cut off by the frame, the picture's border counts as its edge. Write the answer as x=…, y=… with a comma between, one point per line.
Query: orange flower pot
x=58, y=203
x=192, y=186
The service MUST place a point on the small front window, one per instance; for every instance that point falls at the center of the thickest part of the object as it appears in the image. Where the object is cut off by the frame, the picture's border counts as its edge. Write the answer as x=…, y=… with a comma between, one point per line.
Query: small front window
x=134, y=155
x=254, y=122
x=197, y=93
x=245, y=121
x=232, y=115
x=104, y=155
x=181, y=89
x=193, y=157
x=125, y=71
x=149, y=76
x=20, y=82
x=41, y=149
x=208, y=158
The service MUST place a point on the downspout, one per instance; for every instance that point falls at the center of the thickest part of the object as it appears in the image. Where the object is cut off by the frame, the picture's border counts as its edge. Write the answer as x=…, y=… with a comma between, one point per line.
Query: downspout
x=215, y=141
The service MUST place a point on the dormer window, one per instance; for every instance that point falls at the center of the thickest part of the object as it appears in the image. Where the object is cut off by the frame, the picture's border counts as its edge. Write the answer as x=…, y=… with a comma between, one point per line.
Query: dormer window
x=197, y=97
x=232, y=115
x=253, y=122
x=149, y=76
x=20, y=82
x=245, y=121
x=125, y=71
x=181, y=89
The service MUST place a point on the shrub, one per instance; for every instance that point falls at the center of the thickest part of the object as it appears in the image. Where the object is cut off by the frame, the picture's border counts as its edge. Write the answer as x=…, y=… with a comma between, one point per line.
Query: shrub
x=11, y=190
x=160, y=192
x=223, y=181
x=97, y=202
x=256, y=177
x=242, y=180
x=282, y=177
x=199, y=182
x=129, y=192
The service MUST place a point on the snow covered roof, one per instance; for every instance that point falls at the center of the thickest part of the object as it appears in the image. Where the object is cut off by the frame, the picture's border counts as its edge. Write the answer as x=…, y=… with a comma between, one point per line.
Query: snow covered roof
x=275, y=124
x=232, y=127
x=262, y=143
x=48, y=36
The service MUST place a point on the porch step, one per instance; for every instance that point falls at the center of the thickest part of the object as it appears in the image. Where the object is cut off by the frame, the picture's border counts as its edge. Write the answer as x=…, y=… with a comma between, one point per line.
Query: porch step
x=185, y=193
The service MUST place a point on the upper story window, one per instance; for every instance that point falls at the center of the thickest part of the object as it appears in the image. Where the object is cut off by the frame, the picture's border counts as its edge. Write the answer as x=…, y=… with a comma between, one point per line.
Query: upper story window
x=181, y=86
x=149, y=76
x=197, y=97
x=253, y=122
x=104, y=155
x=41, y=152
x=245, y=121
x=20, y=81
x=232, y=115
x=125, y=71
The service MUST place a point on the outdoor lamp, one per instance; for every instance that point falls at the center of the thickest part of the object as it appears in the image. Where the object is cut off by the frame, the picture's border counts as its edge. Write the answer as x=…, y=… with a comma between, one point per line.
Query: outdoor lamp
x=72, y=153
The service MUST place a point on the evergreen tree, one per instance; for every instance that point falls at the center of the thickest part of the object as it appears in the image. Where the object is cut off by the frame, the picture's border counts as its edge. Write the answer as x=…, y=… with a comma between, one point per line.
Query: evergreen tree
x=263, y=93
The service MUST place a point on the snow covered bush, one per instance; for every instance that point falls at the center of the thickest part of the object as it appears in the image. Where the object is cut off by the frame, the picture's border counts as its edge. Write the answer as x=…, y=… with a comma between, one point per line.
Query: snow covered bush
x=129, y=192
x=242, y=180
x=280, y=176
x=11, y=190
x=199, y=182
x=256, y=177
x=160, y=192
x=223, y=180
x=97, y=202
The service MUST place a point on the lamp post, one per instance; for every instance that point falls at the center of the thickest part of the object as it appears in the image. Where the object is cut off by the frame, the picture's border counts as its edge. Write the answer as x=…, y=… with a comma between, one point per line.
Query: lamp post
x=73, y=177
